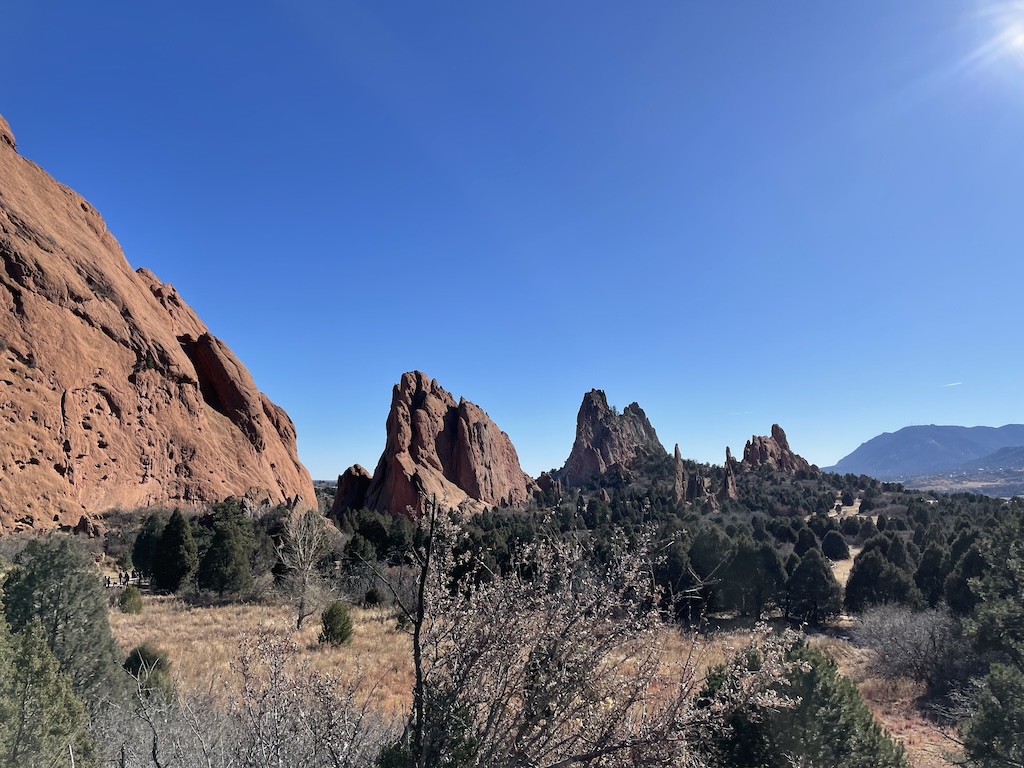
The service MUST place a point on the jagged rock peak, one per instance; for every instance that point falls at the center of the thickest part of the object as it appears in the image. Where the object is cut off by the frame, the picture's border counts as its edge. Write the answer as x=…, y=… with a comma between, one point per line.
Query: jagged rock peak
x=728, y=492
x=117, y=394
x=607, y=439
x=773, y=451
x=437, y=447
x=681, y=477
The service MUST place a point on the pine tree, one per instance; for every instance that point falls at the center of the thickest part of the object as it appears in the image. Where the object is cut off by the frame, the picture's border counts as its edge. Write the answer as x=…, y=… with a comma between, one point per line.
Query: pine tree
x=56, y=582
x=146, y=543
x=177, y=556
x=814, y=592
x=42, y=721
x=225, y=566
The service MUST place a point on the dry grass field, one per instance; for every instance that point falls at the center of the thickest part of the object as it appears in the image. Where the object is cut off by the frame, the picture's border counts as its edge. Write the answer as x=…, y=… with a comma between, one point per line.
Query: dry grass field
x=202, y=643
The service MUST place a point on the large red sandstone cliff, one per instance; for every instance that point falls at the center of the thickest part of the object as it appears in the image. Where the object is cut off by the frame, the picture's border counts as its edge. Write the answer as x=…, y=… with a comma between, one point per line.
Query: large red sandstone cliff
x=437, y=447
x=112, y=391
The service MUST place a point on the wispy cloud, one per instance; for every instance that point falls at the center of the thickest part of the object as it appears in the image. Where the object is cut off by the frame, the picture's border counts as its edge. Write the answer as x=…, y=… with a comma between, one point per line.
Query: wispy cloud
x=954, y=384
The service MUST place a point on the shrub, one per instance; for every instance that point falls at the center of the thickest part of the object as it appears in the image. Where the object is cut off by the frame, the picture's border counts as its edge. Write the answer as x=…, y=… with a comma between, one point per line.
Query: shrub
x=336, y=623
x=151, y=668
x=374, y=597
x=130, y=600
x=834, y=547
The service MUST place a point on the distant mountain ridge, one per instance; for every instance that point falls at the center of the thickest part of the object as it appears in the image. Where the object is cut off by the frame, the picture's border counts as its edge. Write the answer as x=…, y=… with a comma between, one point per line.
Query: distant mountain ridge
x=923, y=450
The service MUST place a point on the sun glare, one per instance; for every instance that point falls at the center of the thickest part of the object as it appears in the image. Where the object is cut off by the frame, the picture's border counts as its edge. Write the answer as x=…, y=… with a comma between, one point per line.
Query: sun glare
x=1007, y=40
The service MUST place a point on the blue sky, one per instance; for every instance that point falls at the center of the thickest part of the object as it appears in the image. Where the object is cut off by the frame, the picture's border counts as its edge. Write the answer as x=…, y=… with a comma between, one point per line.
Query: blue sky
x=733, y=213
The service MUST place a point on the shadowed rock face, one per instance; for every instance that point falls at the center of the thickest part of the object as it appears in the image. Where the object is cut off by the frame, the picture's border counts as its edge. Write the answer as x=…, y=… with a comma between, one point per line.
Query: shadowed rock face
x=773, y=451
x=437, y=447
x=112, y=391
x=606, y=439
x=352, y=486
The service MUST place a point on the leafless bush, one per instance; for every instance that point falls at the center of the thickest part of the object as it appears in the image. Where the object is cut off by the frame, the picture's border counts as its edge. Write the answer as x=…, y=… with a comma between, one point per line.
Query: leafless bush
x=285, y=714
x=559, y=664
x=927, y=646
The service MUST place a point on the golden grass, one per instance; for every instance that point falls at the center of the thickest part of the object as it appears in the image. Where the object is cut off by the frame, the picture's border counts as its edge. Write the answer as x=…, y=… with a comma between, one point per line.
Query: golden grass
x=202, y=642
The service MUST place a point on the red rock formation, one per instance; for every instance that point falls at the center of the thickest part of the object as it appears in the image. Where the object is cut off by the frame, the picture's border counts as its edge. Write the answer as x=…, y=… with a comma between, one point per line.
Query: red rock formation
x=352, y=486
x=681, y=477
x=606, y=439
x=773, y=451
x=728, y=491
x=437, y=447
x=112, y=391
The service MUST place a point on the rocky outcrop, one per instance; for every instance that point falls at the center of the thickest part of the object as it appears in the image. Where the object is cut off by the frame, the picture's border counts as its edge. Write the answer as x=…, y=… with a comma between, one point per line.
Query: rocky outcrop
x=439, y=448
x=113, y=393
x=681, y=477
x=351, y=493
x=728, y=491
x=773, y=451
x=606, y=440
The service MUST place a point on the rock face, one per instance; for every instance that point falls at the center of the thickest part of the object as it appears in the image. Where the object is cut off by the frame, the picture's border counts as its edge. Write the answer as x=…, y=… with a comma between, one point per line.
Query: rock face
x=112, y=391
x=606, y=439
x=437, y=447
x=728, y=491
x=352, y=486
x=773, y=451
x=681, y=482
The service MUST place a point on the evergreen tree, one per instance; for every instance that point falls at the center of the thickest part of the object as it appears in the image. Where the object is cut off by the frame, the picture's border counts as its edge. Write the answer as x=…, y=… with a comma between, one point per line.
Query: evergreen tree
x=146, y=543
x=805, y=541
x=754, y=578
x=813, y=590
x=875, y=581
x=957, y=587
x=177, y=556
x=931, y=573
x=834, y=546
x=56, y=582
x=42, y=721
x=225, y=566
x=828, y=725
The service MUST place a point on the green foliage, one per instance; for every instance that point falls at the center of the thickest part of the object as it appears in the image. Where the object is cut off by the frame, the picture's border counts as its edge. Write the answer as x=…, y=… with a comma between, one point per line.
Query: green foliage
x=931, y=573
x=957, y=587
x=56, y=582
x=146, y=543
x=336, y=624
x=814, y=593
x=755, y=577
x=130, y=600
x=998, y=621
x=875, y=581
x=994, y=737
x=177, y=556
x=151, y=669
x=834, y=546
x=225, y=566
x=42, y=721
x=805, y=541
x=826, y=724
